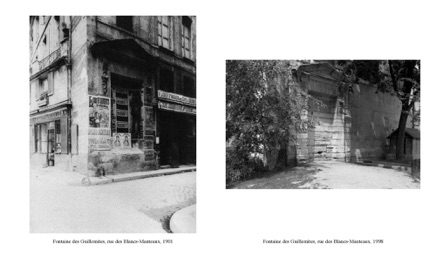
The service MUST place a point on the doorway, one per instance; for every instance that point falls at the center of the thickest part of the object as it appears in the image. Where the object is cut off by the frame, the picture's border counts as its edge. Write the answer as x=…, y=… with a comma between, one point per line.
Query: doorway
x=177, y=133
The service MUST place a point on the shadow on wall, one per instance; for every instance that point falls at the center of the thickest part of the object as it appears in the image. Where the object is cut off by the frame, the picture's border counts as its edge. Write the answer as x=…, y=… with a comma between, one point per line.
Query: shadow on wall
x=373, y=116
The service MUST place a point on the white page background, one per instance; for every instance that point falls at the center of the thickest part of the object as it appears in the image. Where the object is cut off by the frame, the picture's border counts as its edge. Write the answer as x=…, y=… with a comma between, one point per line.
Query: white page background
x=231, y=224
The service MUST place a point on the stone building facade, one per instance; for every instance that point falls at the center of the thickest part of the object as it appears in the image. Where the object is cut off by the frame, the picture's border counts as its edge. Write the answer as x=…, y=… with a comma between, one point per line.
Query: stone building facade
x=112, y=94
x=354, y=125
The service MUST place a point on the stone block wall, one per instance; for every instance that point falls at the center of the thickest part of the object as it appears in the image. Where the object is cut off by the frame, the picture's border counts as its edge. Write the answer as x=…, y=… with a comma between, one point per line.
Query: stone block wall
x=79, y=92
x=374, y=116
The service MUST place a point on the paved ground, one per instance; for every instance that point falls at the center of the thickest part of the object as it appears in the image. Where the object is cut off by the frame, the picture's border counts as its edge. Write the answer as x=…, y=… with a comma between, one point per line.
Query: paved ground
x=332, y=175
x=144, y=205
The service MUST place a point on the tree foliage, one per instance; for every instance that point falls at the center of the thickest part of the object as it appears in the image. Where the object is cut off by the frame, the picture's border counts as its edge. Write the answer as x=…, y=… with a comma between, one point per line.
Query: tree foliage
x=264, y=107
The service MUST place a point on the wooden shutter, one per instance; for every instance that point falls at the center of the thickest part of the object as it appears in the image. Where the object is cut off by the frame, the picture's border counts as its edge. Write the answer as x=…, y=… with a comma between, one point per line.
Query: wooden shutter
x=50, y=80
x=64, y=136
x=159, y=31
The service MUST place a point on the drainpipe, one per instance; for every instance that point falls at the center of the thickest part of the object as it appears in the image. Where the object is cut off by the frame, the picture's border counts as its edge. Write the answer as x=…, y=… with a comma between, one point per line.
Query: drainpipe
x=69, y=68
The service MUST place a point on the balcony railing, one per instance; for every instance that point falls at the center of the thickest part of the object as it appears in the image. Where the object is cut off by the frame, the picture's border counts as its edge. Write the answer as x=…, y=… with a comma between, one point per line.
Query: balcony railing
x=38, y=67
x=50, y=59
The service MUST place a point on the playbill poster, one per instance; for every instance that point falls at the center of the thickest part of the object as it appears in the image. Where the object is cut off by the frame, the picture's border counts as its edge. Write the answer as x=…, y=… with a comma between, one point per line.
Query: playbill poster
x=99, y=132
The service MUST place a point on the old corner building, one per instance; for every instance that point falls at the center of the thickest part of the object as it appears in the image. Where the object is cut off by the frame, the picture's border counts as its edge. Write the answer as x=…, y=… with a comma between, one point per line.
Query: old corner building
x=112, y=94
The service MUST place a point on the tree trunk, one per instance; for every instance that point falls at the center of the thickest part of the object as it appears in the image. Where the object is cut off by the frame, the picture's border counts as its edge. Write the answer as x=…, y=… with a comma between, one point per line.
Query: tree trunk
x=402, y=133
x=405, y=109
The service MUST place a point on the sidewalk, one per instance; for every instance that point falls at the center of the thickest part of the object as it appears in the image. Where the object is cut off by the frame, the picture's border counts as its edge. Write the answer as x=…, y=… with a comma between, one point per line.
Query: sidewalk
x=87, y=181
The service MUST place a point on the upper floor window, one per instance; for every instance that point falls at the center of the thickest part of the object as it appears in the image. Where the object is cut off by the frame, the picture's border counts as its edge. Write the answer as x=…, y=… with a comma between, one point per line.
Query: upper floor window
x=166, y=80
x=43, y=86
x=186, y=36
x=125, y=22
x=189, y=87
x=164, y=28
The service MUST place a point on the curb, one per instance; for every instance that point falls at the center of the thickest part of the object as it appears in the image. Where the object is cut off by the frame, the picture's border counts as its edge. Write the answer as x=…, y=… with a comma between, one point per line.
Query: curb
x=184, y=220
x=381, y=165
x=88, y=181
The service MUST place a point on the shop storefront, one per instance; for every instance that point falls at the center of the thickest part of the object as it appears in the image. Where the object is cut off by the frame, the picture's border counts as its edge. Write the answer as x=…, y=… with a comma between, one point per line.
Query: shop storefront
x=49, y=137
x=176, y=129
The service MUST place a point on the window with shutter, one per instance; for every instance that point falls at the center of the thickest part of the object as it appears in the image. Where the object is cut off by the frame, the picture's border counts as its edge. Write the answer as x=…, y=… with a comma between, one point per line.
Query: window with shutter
x=50, y=82
x=164, y=28
x=186, y=36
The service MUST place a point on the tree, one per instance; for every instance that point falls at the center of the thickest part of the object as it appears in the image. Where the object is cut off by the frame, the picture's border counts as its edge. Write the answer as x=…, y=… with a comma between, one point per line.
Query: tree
x=400, y=78
x=264, y=107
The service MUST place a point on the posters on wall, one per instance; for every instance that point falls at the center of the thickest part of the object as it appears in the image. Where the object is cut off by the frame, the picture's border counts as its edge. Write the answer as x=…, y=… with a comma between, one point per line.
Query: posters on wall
x=99, y=112
x=99, y=132
x=121, y=140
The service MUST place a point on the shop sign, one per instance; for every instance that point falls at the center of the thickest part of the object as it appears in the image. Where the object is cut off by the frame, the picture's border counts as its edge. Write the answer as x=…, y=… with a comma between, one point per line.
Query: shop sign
x=177, y=98
x=48, y=117
x=121, y=140
x=177, y=108
x=99, y=112
x=99, y=139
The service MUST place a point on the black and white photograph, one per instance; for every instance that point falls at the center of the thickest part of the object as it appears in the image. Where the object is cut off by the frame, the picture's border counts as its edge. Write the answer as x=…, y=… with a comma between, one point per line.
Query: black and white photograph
x=323, y=124
x=224, y=132
x=112, y=124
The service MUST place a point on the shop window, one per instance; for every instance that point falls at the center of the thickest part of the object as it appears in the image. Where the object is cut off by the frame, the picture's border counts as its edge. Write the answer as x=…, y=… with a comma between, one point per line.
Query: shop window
x=189, y=87
x=125, y=22
x=186, y=36
x=164, y=28
x=166, y=80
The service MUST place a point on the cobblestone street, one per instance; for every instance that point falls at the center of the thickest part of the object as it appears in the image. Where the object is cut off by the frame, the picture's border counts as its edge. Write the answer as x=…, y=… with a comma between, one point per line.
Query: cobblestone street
x=133, y=206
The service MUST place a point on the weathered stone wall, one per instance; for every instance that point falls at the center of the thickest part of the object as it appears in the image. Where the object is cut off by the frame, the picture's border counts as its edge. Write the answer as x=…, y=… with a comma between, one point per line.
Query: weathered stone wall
x=103, y=29
x=373, y=118
x=353, y=126
x=79, y=92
